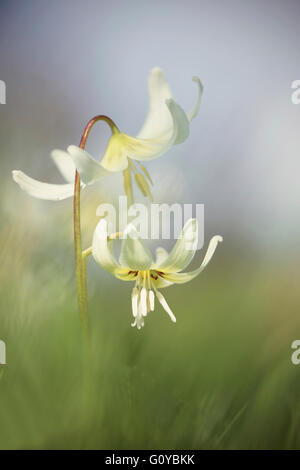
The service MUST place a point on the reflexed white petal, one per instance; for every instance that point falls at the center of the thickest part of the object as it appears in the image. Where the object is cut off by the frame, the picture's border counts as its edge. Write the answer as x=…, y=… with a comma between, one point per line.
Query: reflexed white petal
x=158, y=120
x=134, y=253
x=184, y=249
x=139, y=149
x=134, y=301
x=151, y=300
x=149, y=149
x=160, y=282
x=115, y=156
x=65, y=164
x=102, y=251
x=41, y=190
x=167, y=125
x=88, y=168
x=164, y=304
x=211, y=249
x=161, y=255
x=180, y=278
x=192, y=114
x=180, y=122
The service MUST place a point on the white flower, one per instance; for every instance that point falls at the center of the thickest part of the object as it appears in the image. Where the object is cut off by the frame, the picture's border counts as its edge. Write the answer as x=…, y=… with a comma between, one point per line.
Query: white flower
x=136, y=264
x=166, y=125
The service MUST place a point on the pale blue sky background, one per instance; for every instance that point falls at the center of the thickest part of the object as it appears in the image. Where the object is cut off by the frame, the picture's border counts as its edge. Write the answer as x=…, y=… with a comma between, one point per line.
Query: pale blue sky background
x=65, y=61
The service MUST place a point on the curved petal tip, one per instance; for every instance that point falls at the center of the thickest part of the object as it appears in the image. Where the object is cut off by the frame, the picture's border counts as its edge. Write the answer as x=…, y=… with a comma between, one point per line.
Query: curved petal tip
x=199, y=83
x=41, y=190
x=156, y=70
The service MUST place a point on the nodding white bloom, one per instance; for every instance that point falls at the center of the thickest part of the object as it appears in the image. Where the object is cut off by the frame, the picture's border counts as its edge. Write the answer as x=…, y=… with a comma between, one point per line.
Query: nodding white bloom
x=166, y=125
x=136, y=264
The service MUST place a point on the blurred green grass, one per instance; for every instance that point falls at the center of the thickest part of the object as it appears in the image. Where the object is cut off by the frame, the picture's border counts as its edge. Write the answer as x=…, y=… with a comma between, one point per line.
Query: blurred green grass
x=221, y=378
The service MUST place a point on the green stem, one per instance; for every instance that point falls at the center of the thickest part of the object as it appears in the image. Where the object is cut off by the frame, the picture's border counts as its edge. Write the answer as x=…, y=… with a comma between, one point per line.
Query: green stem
x=80, y=257
x=79, y=265
x=86, y=252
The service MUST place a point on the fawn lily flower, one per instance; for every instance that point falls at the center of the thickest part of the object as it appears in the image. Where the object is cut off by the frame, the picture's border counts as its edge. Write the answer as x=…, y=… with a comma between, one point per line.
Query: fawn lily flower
x=136, y=264
x=166, y=125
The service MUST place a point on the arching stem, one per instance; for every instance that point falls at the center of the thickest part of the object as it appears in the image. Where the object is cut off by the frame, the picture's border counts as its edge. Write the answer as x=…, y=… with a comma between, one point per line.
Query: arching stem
x=80, y=257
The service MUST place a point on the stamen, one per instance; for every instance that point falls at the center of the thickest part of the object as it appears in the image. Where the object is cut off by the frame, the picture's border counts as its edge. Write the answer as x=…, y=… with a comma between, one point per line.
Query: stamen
x=151, y=300
x=134, y=301
x=138, y=279
x=150, y=293
x=148, y=289
x=143, y=302
x=135, y=273
x=144, y=169
x=160, y=273
x=132, y=165
x=128, y=185
x=139, y=322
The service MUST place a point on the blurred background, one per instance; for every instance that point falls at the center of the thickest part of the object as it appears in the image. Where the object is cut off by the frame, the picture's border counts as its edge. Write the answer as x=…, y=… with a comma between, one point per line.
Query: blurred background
x=221, y=377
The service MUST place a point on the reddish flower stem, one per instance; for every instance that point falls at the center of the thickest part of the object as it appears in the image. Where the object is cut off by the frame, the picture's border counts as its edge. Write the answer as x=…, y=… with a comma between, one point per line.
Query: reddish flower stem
x=80, y=260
